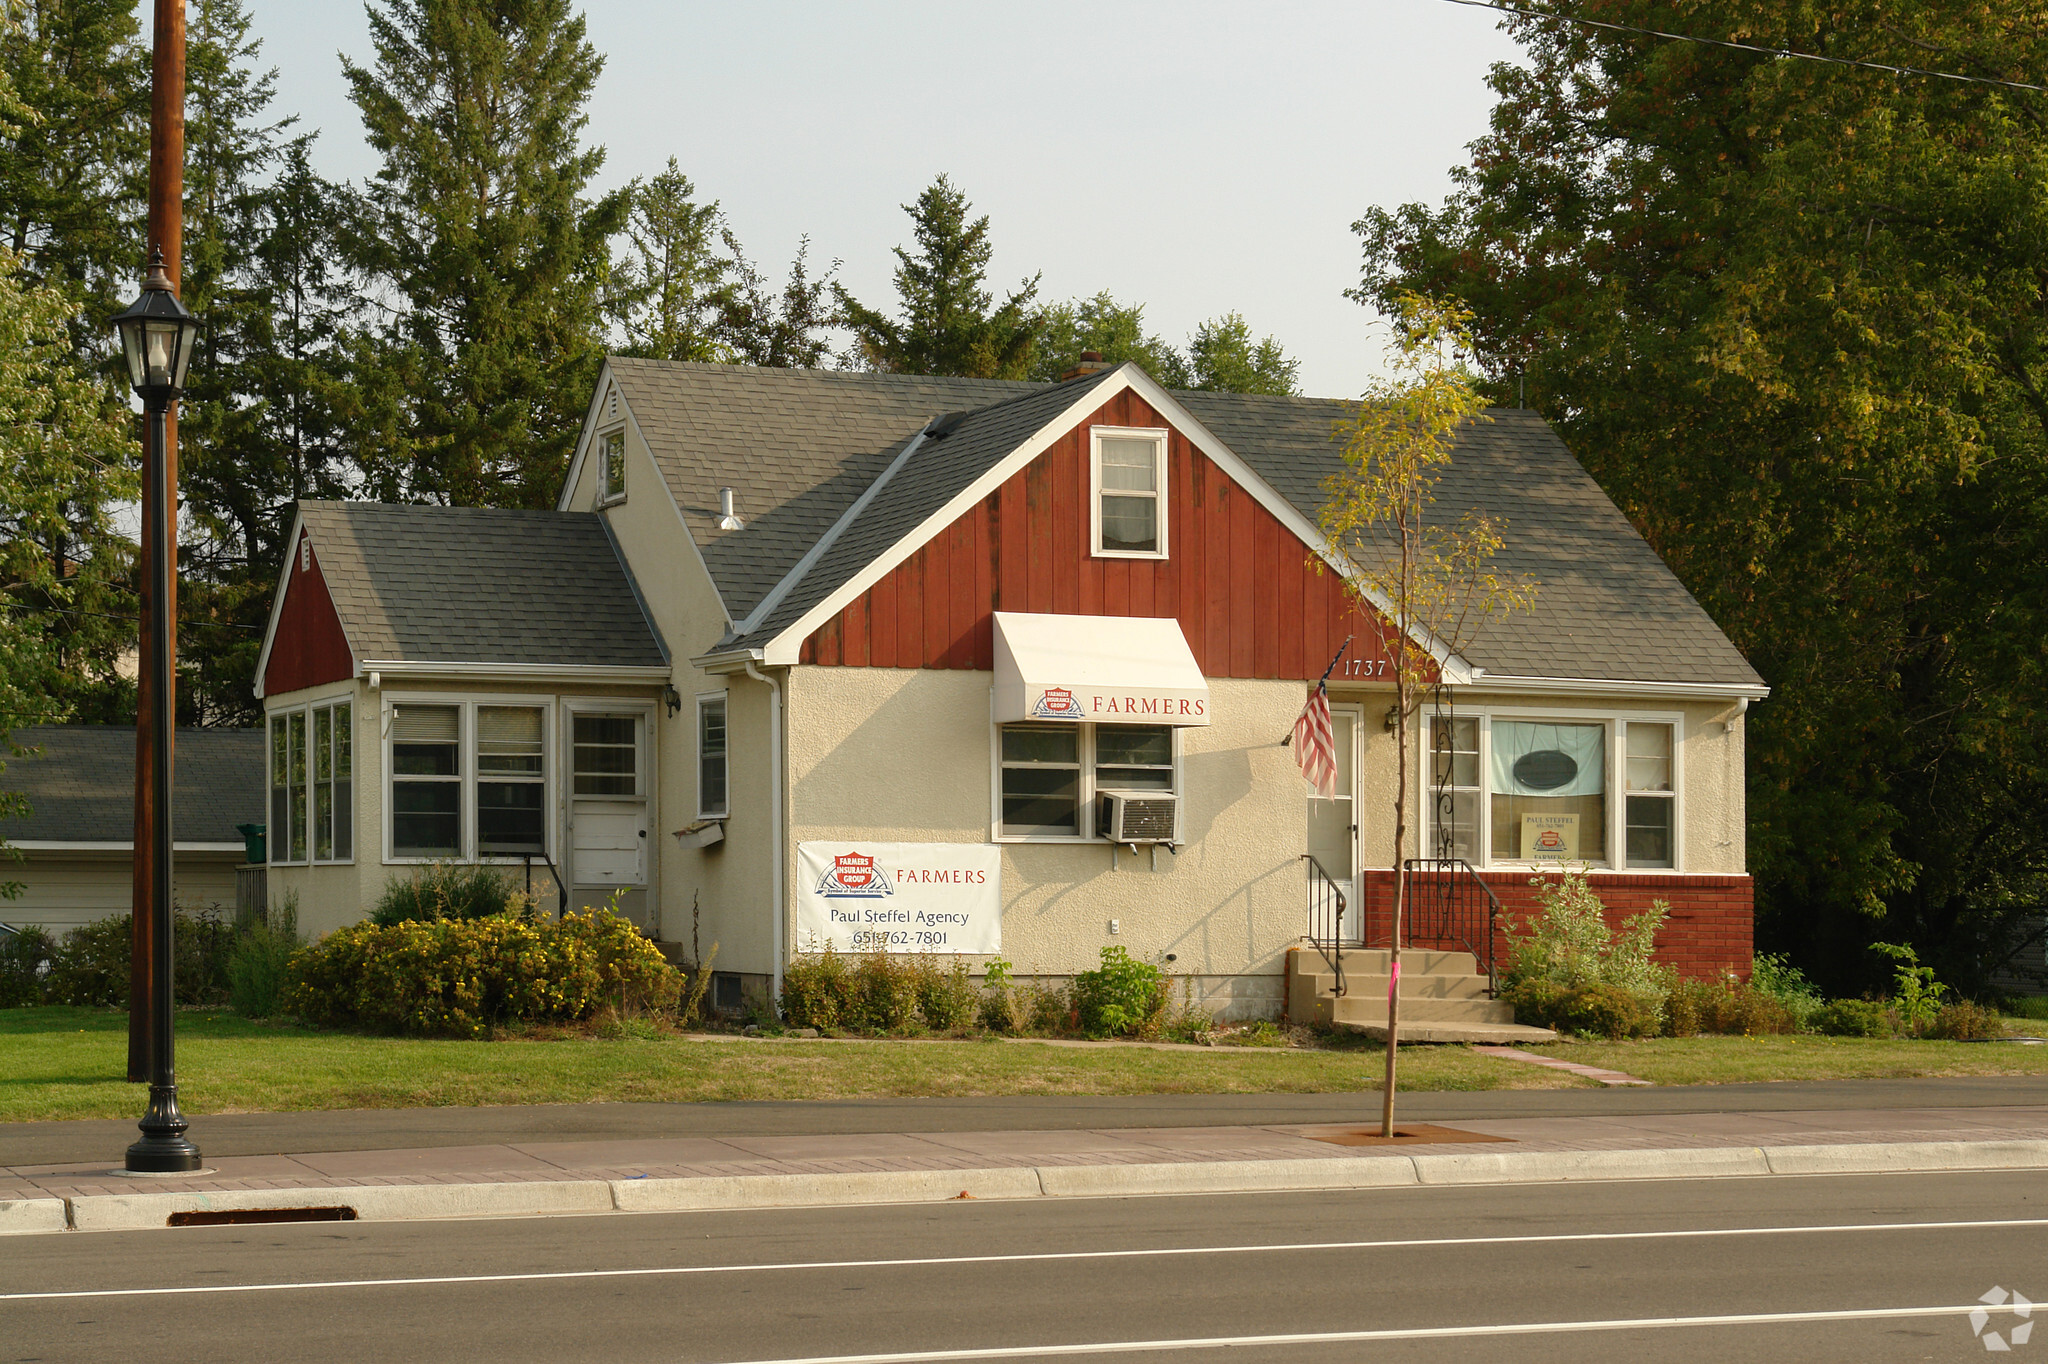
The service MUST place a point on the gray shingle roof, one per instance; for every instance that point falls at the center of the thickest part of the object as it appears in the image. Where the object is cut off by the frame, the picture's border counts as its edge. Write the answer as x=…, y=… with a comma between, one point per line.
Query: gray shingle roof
x=81, y=786
x=1606, y=606
x=479, y=585
x=796, y=446
x=938, y=470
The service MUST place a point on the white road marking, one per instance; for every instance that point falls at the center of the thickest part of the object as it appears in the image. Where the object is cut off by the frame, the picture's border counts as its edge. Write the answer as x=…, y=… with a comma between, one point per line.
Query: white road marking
x=659, y=1271
x=1530, y=1328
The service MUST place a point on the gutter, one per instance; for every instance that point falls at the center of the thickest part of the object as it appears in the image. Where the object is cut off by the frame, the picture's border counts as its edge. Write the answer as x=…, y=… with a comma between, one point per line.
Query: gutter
x=1605, y=686
x=777, y=892
x=536, y=672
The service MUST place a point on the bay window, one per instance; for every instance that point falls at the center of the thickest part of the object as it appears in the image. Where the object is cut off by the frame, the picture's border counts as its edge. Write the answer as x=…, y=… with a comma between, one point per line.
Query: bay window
x=1528, y=789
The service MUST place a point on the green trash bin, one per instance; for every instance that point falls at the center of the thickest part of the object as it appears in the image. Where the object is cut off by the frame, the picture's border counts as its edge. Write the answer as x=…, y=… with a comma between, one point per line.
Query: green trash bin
x=254, y=846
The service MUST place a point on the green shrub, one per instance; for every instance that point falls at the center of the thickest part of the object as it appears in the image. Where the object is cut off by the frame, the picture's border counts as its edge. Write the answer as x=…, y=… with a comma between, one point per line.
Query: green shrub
x=449, y=890
x=1566, y=949
x=884, y=995
x=1119, y=997
x=25, y=958
x=1917, y=995
x=1596, y=1009
x=90, y=966
x=945, y=997
x=1853, y=1018
x=260, y=957
x=1726, y=1005
x=2028, y=1006
x=817, y=991
x=1771, y=974
x=461, y=977
x=1964, y=1021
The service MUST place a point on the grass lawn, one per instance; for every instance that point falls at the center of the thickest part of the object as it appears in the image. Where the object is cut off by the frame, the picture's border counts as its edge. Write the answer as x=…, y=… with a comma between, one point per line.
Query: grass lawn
x=66, y=1063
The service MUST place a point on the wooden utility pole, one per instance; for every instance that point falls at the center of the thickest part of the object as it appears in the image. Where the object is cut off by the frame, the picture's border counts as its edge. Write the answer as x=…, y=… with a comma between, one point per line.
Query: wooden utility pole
x=159, y=512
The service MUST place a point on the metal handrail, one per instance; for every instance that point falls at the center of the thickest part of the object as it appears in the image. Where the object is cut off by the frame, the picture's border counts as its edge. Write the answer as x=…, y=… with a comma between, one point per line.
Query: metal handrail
x=1326, y=902
x=561, y=886
x=1448, y=911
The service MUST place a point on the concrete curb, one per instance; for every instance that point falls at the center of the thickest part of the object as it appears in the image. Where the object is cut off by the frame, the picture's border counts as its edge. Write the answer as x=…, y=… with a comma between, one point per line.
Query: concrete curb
x=830, y=1190
x=21, y=1216
x=403, y=1202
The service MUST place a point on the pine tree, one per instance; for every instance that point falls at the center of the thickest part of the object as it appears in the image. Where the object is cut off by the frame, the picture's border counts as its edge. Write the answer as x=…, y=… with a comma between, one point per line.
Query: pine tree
x=945, y=324
x=664, y=298
x=777, y=329
x=481, y=228
x=262, y=422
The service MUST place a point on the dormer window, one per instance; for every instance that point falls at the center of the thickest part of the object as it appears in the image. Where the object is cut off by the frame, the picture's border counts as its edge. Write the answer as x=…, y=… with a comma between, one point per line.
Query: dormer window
x=611, y=467
x=1129, y=482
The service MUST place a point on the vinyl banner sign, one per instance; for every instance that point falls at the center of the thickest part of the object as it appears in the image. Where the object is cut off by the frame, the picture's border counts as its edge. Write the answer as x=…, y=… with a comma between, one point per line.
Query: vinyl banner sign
x=898, y=897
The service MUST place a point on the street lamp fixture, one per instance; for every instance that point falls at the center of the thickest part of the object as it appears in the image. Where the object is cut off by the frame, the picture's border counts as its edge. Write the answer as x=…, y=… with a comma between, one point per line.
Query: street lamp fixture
x=157, y=336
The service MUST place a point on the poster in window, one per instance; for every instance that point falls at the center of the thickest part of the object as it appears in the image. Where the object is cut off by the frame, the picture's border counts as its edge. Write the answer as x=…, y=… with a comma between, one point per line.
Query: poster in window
x=1550, y=838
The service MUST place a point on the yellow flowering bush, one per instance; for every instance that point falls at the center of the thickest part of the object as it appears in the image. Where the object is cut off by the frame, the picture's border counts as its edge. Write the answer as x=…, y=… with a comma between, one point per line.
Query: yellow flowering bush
x=461, y=977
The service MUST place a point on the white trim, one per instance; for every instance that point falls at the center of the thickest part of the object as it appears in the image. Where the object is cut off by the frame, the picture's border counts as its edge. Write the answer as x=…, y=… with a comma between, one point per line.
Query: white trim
x=123, y=846
x=1160, y=438
x=1606, y=686
x=587, y=674
x=646, y=763
x=784, y=649
x=291, y=564
x=825, y=541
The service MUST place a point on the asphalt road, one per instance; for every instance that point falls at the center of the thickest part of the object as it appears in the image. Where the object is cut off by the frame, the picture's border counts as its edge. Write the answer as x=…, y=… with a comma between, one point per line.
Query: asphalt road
x=1846, y=1268
x=247, y=1134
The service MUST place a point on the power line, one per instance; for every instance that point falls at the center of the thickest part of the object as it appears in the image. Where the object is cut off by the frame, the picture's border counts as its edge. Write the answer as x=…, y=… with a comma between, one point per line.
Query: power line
x=1750, y=47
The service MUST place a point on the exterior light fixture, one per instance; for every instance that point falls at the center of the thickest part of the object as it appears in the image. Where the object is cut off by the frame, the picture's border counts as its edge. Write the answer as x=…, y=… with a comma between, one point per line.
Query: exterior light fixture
x=158, y=334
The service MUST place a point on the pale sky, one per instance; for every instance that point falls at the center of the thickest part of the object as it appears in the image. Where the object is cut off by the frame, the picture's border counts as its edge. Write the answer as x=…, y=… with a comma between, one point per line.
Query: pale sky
x=1196, y=156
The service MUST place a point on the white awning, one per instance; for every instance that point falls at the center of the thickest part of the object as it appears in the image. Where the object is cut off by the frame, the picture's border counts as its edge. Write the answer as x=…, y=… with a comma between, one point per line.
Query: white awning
x=1131, y=670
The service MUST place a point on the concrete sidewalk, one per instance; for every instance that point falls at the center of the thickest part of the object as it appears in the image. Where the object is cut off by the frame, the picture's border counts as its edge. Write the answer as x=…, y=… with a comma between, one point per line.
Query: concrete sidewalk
x=676, y=1173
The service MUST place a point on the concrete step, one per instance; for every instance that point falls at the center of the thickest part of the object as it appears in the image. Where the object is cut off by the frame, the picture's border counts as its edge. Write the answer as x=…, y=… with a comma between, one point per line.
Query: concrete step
x=1514, y=1034
x=1364, y=1008
x=1414, y=985
x=1360, y=961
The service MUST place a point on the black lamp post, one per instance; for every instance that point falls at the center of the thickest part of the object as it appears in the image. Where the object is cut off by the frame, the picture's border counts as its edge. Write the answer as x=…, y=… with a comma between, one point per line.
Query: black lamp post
x=157, y=335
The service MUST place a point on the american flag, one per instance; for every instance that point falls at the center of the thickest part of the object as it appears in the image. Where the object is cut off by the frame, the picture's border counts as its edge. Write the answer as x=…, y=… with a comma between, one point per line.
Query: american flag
x=1315, y=743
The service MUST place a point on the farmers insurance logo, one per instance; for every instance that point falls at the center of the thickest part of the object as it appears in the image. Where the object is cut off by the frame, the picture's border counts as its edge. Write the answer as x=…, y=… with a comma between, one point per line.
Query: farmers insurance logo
x=855, y=876
x=1057, y=703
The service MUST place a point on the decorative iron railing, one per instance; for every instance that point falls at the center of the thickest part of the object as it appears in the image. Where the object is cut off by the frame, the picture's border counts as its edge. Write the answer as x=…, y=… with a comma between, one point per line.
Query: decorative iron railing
x=1326, y=906
x=1448, y=902
x=561, y=886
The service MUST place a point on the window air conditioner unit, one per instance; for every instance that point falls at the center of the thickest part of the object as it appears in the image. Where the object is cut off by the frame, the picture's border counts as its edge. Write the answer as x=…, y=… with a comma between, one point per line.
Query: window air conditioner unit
x=1138, y=816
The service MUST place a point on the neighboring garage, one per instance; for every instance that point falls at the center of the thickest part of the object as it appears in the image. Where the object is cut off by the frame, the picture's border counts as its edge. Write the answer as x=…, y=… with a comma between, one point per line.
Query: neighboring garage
x=78, y=835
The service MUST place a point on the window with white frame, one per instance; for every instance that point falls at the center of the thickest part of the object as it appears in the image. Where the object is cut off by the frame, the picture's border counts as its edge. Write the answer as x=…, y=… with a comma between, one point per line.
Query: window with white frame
x=312, y=791
x=611, y=466
x=1546, y=789
x=1651, y=802
x=426, y=780
x=607, y=755
x=511, y=780
x=1050, y=775
x=1129, y=481
x=711, y=765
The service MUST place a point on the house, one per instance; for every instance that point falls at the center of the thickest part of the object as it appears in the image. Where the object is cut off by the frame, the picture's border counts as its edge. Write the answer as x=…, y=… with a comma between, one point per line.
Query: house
x=998, y=668
x=78, y=839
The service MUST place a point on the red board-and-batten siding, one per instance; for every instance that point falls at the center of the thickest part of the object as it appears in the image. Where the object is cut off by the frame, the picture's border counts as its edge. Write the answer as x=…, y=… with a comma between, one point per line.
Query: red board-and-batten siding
x=1244, y=588
x=308, y=647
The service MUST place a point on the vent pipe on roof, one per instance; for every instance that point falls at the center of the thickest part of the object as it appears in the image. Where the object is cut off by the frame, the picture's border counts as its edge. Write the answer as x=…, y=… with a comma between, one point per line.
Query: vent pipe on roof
x=728, y=519
x=1091, y=362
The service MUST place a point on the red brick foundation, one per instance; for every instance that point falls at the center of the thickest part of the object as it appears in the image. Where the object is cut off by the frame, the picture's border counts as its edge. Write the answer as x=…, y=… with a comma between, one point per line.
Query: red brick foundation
x=1708, y=931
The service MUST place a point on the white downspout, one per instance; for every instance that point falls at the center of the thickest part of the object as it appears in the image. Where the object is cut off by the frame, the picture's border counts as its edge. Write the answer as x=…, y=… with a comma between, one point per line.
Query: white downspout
x=775, y=832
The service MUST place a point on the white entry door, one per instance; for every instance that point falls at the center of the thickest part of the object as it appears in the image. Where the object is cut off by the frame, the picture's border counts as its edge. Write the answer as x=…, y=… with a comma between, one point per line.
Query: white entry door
x=1333, y=822
x=608, y=800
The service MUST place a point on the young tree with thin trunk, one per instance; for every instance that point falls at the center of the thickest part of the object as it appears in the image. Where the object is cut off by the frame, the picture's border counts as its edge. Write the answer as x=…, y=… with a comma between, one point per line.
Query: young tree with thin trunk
x=1431, y=577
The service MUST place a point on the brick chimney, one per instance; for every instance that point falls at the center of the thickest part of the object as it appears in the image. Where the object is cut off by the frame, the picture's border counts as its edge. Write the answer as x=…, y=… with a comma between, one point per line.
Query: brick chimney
x=1091, y=362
